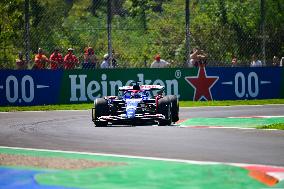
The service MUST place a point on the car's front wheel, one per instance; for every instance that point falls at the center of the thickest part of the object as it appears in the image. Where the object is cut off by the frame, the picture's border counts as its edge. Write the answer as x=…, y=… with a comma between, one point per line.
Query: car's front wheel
x=174, y=108
x=164, y=108
x=101, y=109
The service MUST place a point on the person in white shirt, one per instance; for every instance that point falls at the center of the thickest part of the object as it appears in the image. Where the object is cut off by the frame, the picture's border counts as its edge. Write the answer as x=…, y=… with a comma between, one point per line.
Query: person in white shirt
x=281, y=62
x=159, y=63
x=106, y=62
x=197, y=58
x=275, y=61
x=255, y=62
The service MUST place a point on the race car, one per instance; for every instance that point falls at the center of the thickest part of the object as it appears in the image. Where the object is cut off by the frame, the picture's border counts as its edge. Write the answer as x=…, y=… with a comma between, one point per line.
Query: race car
x=136, y=105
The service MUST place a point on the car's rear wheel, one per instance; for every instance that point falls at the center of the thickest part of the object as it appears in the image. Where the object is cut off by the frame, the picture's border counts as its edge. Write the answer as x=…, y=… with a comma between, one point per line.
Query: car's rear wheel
x=164, y=108
x=174, y=108
x=101, y=109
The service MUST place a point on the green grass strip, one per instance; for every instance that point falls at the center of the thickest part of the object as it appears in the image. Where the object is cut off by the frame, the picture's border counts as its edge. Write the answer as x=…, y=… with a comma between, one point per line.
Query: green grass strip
x=87, y=106
x=232, y=122
x=279, y=126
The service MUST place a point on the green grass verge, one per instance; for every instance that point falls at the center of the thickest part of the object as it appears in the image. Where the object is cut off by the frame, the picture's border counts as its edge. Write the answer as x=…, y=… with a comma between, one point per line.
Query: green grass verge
x=87, y=106
x=279, y=126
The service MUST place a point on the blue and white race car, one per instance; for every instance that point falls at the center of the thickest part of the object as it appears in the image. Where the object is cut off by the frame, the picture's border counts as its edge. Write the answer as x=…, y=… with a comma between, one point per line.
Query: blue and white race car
x=137, y=105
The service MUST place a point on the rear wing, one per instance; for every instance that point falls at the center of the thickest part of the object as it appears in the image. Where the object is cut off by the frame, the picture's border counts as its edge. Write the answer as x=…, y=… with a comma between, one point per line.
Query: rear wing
x=143, y=87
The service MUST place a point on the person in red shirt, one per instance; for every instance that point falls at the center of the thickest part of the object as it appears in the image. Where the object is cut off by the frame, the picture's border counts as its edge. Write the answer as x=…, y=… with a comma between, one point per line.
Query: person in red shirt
x=90, y=59
x=70, y=60
x=21, y=64
x=56, y=60
x=40, y=60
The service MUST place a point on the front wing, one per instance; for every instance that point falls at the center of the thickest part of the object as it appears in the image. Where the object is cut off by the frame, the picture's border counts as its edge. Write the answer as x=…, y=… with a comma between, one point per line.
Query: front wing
x=123, y=119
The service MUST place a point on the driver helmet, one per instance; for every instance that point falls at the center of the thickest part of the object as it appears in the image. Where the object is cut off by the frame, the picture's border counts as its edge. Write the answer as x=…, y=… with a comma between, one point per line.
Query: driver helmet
x=135, y=94
x=127, y=94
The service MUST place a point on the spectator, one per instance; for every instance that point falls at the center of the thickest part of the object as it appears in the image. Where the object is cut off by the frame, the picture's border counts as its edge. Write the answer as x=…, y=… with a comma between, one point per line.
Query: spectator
x=255, y=62
x=197, y=58
x=21, y=64
x=159, y=63
x=40, y=60
x=234, y=61
x=70, y=60
x=275, y=61
x=90, y=59
x=56, y=60
x=281, y=62
x=106, y=62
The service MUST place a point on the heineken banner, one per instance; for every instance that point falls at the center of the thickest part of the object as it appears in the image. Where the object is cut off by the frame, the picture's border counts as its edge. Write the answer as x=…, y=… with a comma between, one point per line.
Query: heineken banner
x=77, y=86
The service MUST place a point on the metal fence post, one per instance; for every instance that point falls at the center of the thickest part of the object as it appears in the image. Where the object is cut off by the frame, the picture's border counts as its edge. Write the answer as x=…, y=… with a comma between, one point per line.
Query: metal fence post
x=187, y=34
x=262, y=28
x=27, y=31
x=109, y=17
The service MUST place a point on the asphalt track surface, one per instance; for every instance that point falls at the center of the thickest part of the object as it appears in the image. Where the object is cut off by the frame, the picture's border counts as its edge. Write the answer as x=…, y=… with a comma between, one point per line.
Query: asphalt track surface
x=74, y=131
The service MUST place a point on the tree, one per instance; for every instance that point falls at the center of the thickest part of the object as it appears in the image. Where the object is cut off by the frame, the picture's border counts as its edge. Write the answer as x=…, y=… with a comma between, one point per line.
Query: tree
x=11, y=33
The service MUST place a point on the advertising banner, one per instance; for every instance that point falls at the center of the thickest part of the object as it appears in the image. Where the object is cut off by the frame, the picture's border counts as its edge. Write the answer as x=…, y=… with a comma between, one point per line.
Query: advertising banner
x=282, y=83
x=187, y=84
x=27, y=87
x=240, y=83
x=21, y=88
x=81, y=86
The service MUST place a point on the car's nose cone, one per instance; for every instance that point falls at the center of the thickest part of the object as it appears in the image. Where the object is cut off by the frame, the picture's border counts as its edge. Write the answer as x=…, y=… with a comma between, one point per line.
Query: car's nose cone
x=131, y=106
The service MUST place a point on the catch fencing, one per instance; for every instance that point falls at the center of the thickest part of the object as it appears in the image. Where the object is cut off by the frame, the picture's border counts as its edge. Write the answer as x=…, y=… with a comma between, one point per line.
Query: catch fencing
x=140, y=29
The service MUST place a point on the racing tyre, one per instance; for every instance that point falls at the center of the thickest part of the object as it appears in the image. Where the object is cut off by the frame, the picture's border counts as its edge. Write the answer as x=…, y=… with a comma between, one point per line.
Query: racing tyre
x=174, y=108
x=164, y=107
x=101, y=109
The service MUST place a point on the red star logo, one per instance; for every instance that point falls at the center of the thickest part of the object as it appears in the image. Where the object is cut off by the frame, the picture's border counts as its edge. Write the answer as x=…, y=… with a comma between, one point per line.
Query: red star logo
x=202, y=84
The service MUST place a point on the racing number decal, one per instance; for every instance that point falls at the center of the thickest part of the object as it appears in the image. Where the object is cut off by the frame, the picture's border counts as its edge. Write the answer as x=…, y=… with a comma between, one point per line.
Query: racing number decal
x=250, y=83
x=26, y=87
x=246, y=86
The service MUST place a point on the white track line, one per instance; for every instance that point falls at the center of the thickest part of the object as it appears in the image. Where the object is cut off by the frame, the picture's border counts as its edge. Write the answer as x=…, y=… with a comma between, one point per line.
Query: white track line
x=256, y=105
x=279, y=116
x=220, y=127
x=216, y=127
x=222, y=106
x=113, y=155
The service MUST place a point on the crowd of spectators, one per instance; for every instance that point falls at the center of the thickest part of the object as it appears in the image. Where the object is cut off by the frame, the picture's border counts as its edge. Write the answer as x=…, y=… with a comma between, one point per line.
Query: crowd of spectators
x=67, y=62
x=198, y=58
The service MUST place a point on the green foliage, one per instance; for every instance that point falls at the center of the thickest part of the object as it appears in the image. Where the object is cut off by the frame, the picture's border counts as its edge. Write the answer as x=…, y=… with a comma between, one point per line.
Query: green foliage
x=143, y=28
x=11, y=36
x=279, y=126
